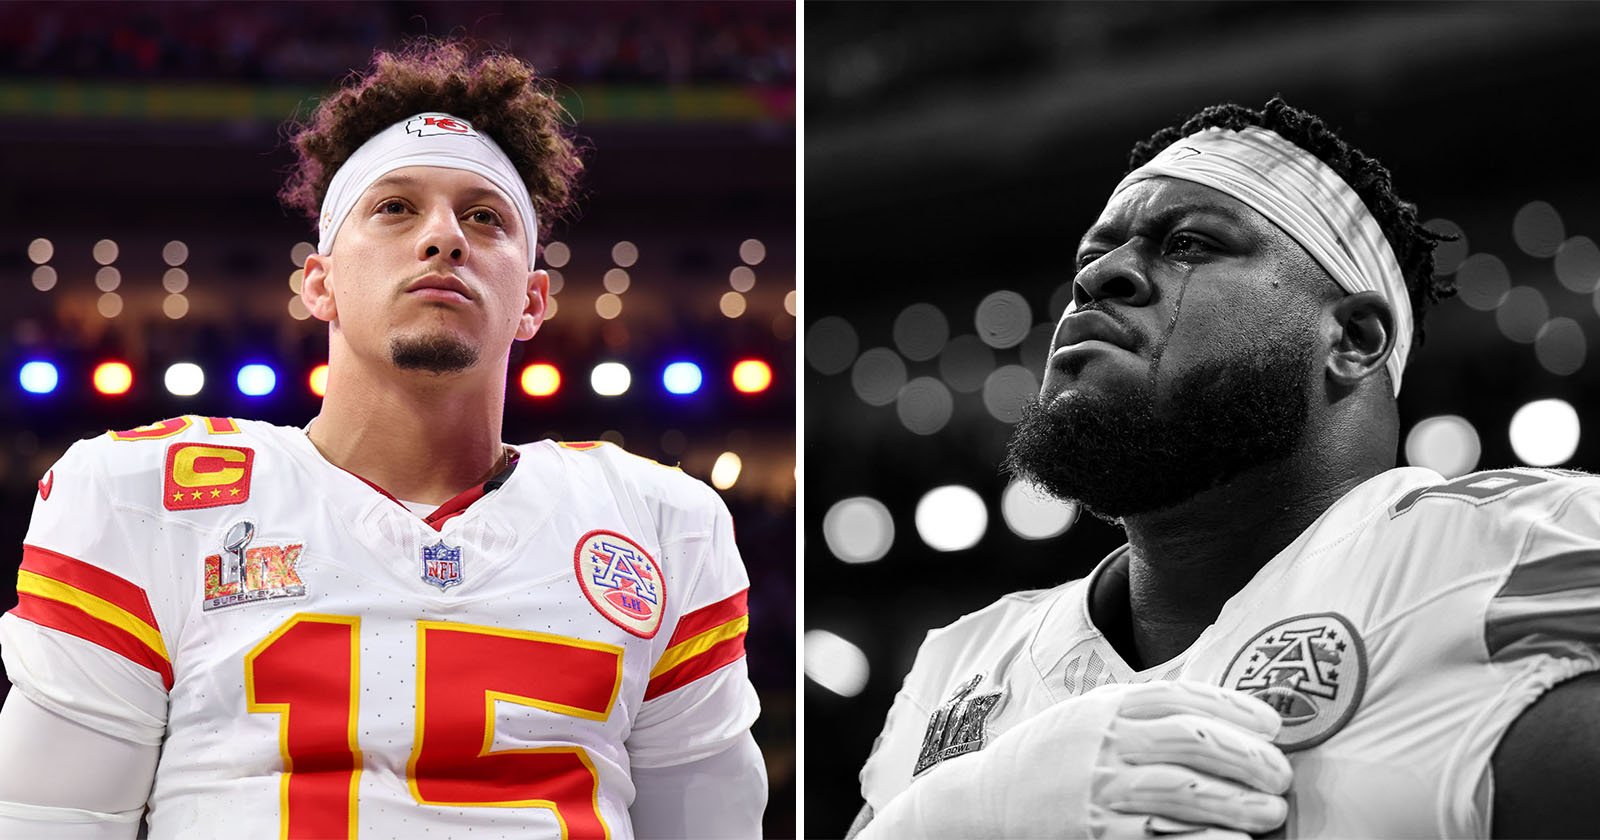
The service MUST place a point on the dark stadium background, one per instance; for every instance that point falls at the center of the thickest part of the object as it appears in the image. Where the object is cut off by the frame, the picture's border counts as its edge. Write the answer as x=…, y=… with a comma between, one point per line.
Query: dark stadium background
x=954, y=150
x=148, y=123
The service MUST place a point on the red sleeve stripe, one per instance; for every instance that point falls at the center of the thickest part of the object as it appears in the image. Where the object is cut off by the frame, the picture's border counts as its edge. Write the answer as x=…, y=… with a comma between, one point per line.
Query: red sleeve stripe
x=57, y=615
x=91, y=579
x=709, y=616
x=723, y=653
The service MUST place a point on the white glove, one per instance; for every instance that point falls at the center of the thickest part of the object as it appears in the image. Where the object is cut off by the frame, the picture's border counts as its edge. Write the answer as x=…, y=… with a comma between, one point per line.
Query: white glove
x=1122, y=761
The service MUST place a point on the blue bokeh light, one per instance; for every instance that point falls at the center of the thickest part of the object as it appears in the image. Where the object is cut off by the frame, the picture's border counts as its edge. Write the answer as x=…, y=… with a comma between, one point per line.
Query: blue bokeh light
x=257, y=380
x=682, y=377
x=39, y=377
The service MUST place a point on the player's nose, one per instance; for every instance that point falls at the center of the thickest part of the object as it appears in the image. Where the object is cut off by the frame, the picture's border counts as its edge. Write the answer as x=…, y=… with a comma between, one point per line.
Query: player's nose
x=1118, y=275
x=441, y=235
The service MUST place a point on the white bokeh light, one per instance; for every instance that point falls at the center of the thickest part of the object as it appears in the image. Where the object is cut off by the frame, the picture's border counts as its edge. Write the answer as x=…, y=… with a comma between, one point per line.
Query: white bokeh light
x=610, y=379
x=1538, y=229
x=1482, y=281
x=835, y=664
x=951, y=518
x=1561, y=346
x=1033, y=514
x=1545, y=433
x=924, y=405
x=920, y=331
x=878, y=375
x=725, y=472
x=858, y=529
x=1447, y=444
x=1003, y=319
x=184, y=379
x=1006, y=392
x=831, y=345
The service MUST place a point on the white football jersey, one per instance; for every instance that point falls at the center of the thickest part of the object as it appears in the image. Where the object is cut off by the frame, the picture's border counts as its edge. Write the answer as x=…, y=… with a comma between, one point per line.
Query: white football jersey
x=316, y=661
x=1398, y=636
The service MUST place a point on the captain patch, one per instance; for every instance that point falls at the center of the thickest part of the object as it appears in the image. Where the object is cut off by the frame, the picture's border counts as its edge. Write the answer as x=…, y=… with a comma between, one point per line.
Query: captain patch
x=1312, y=669
x=622, y=580
x=204, y=475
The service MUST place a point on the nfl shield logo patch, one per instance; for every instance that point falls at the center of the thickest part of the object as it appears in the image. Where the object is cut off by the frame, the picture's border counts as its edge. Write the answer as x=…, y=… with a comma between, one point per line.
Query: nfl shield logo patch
x=441, y=565
x=622, y=581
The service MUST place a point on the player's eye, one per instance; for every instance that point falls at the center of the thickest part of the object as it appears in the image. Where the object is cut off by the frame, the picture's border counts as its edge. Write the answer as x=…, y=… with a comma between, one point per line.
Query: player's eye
x=1187, y=243
x=485, y=216
x=1084, y=259
x=391, y=207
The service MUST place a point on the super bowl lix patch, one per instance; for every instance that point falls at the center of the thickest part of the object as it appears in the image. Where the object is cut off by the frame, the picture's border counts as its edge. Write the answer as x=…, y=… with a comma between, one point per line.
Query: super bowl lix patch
x=959, y=726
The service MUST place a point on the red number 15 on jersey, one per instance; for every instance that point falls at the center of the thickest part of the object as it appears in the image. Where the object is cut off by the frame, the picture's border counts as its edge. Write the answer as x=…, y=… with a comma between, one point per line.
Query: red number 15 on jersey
x=310, y=666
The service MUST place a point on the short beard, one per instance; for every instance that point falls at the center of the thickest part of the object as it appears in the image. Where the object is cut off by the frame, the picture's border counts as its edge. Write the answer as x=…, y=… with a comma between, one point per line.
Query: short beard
x=432, y=354
x=1126, y=453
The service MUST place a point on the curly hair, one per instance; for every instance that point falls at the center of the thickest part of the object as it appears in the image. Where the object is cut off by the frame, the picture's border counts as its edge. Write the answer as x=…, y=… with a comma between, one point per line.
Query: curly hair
x=499, y=94
x=1412, y=243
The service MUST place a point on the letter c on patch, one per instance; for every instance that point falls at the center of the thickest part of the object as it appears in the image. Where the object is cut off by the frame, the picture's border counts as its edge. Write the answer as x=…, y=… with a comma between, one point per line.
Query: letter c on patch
x=206, y=466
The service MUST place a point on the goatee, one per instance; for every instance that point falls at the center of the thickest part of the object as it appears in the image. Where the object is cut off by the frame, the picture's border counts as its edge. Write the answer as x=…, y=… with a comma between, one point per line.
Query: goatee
x=432, y=353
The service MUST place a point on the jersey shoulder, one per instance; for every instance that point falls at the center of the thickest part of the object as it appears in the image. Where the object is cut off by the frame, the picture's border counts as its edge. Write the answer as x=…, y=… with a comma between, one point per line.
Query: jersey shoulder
x=664, y=488
x=177, y=464
x=1523, y=539
x=971, y=642
x=1494, y=519
x=1491, y=497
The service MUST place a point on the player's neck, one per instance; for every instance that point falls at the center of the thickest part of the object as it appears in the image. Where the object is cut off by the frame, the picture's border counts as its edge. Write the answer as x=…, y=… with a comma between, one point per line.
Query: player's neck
x=420, y=439
x=1188, y=560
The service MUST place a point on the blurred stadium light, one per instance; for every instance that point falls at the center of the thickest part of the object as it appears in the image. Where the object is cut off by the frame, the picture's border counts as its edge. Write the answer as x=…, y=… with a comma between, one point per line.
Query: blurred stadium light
x=540, y=379
x=256, y=380
x=317, y=380
x=681, y=378
x=113, y=378
x=38, y=377
x=184, y=379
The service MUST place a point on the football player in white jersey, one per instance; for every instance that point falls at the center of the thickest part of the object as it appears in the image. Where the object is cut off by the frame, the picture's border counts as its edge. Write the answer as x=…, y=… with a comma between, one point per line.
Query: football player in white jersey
x=388, y=624
x=1298, y=637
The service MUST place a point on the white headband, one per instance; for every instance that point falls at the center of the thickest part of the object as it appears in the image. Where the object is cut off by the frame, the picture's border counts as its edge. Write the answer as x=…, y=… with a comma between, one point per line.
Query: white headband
x=429, y=139
x=1308, y=200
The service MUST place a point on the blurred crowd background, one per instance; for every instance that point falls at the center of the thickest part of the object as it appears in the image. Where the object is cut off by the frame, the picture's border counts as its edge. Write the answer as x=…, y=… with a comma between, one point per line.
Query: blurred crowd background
x=150, y=272
x=955, y=152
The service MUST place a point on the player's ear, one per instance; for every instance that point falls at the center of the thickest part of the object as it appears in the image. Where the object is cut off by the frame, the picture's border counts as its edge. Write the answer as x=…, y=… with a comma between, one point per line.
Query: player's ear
x=1363, y=337
x=316, y=292
x=534, y=309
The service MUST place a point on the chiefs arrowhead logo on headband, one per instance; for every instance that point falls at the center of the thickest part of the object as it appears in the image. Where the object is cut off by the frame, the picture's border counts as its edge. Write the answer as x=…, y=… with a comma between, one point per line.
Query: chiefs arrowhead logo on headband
x=427, y=125
x=427, y=139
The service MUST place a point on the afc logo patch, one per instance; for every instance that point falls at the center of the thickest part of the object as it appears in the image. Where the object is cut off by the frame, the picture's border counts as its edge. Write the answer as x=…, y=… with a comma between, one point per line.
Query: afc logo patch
x=205, y=475
x=428, y=125
x=622, y=580
x=1312, y=669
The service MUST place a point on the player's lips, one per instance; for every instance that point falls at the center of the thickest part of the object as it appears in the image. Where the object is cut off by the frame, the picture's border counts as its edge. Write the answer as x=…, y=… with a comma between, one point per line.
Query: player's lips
x=1077, y=330
x=440, y=287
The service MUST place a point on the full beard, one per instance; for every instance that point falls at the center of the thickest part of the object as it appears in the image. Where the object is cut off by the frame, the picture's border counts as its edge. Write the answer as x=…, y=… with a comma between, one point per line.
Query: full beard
x=432, y=353
x=1131, y=452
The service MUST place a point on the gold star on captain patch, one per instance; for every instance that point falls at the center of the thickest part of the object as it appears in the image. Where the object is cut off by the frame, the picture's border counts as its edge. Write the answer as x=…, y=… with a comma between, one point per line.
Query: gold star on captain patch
x=195, y=495
x=177, y=497
x=216, y=494
x=233, y=491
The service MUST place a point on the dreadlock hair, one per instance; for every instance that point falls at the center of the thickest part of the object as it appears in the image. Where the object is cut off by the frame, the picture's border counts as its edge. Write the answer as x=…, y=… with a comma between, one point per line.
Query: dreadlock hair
x=1412, y=243
x=499, y=94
